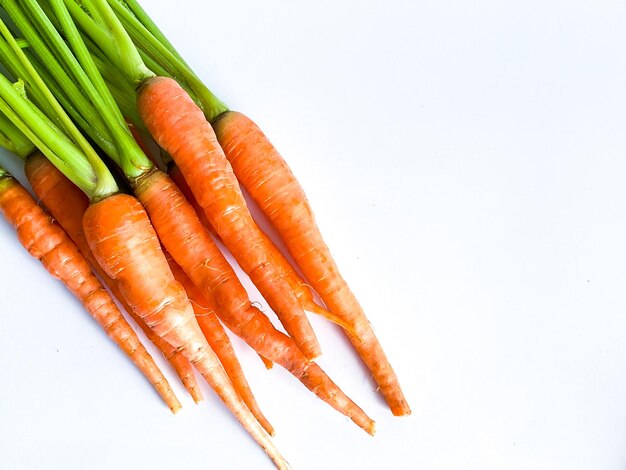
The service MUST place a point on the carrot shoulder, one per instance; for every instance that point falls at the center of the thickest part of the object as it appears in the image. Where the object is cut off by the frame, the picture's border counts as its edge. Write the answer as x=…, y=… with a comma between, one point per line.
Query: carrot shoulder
x=265, y=175
x=47, y=242
x=67, y=204
x=179, y=126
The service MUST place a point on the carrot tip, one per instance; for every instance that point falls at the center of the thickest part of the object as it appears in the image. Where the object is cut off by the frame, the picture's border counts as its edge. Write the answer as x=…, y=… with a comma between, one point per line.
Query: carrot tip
x=401, y=410
x=175, y=408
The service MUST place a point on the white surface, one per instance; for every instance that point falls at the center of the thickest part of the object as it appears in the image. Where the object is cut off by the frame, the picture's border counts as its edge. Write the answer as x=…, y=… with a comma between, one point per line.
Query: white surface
x=466, y=162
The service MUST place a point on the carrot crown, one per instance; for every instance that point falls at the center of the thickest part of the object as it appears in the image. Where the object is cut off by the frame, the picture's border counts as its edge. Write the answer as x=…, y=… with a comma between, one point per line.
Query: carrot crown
x=13, y=140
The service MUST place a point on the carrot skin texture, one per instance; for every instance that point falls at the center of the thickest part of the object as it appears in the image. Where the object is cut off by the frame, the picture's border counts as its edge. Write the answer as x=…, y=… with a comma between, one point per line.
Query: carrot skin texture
x=266, y=176
x=298, y=285
x=212, y=181
x=204, y=310
x=126, y=246
x=246, y=321
x=67, y=204
x=48, y=242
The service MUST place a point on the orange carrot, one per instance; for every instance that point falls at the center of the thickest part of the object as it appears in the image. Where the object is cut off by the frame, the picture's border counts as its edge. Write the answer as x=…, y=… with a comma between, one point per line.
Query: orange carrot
x=204, y=309
x=298, y=285
x=124, y=243
x=46, y=241
x=270, y=182
x=67, y=204
x=189, y=139
x=240, y=316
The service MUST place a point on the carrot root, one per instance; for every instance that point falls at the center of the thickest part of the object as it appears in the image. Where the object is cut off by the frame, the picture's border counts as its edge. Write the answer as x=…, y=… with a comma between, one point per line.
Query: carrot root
x=126, y=246
x=48, y=242
x=266, y=176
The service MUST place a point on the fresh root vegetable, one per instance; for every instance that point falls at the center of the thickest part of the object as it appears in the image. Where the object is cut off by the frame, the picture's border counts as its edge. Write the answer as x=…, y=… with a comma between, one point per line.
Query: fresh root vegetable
x=237, y=312
x=67, y=204
x=204, y=310
x=126, y=246
x=298, y=285
x=46, y=241
x=268, y=179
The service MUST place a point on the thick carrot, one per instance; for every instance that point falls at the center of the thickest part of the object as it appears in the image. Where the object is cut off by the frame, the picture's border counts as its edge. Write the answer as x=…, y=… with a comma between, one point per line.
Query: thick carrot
x=189, y=139
x=298, y=285
x=240, y=316
x=265, y=175
x=204, y=309
x=124, y=243
x=46, y=241
x=67, y=204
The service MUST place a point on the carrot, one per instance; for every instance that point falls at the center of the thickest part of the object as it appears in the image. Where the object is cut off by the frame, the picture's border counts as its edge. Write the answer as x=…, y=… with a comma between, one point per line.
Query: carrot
x=47, y=242
x=189, y=139
x=266, y=176
x=242, y=318
x=204, y=310
x=125, y=245
x=67, y=204
x=298, y=285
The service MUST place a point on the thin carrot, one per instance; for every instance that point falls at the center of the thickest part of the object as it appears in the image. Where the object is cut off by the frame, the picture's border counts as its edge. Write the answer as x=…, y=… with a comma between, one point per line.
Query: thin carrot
x=215, y=277
x=242, y=318
x=46, y=241
x=298, y=285
x=265, y=175
x=204, y=309
x=67, y=204
x=124, y=243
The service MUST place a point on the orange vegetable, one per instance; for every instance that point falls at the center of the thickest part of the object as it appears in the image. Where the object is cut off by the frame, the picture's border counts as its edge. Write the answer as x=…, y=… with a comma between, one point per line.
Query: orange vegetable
x=216, y=279
x=242, y=318
x=46, y=241
x=265, y=175
x=188, y=138
x=67, y=204
x=126, y=246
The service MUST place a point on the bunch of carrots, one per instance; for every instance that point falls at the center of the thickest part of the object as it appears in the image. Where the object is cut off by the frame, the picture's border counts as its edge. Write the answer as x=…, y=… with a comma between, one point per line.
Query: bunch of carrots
x=87, y=83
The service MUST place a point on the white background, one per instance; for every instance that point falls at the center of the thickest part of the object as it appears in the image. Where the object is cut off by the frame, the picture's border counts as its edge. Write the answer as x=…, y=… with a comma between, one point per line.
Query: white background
x=466, y=161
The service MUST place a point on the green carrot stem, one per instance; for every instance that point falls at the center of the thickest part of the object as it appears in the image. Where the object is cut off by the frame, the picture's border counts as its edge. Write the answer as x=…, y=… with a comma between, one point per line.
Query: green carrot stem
x=61, y=151
x=55, y=72
x=131, y=63
x=147, y=22
x=12, y=139
x=130, y=157
x=103, y=179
